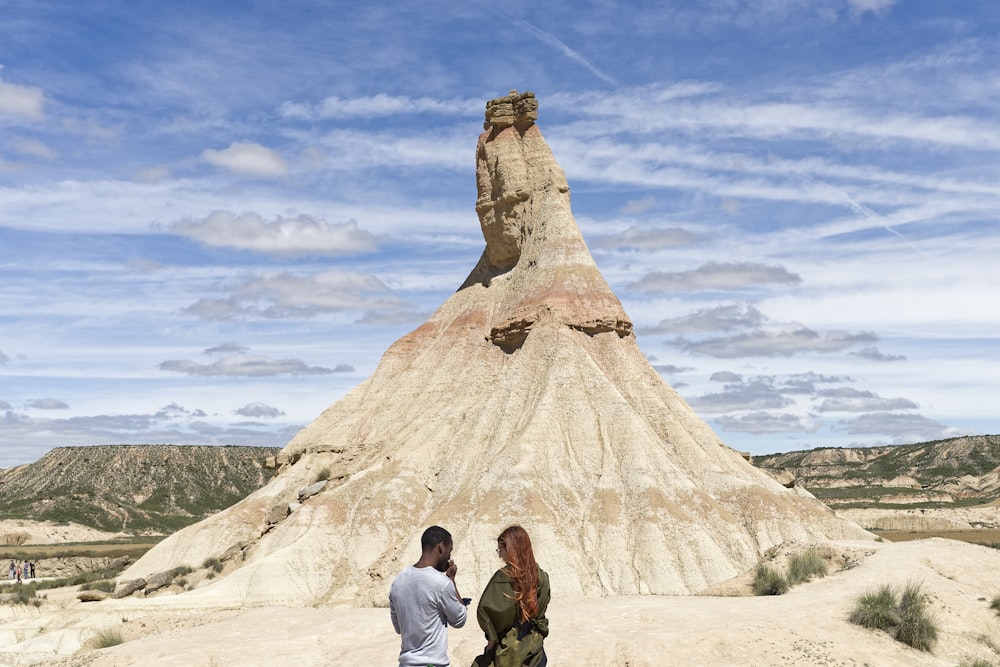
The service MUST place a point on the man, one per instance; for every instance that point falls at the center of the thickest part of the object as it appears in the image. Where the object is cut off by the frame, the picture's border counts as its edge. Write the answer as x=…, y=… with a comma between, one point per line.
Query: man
x=424, y=601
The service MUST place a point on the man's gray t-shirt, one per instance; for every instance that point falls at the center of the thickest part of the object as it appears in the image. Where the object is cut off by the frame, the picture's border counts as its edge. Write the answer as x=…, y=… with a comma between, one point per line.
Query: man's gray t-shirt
x=422, y=603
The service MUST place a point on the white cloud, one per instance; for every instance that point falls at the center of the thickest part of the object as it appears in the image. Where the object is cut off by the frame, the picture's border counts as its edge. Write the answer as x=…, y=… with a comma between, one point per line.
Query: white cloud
x=645, y=238
x=300, y=235
x=718, y=318
x=903, y=428
x=872, y=353
x=847, y=399
x=779, y=340
x=768, y=422
x=873, y=6
x=287, y=295
x=240, y=365
x=248, y=159
x=637, y=206
x=32, y=147
x=716, y=276
x=258, y=410
x=752, y=395
x=372, y=106
x=47, y=404
x=21, y=102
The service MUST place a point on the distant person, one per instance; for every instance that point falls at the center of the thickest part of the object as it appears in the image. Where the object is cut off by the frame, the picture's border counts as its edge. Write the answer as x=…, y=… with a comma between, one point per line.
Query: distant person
x=10, y=571
x=512, y=609
x=18, y=574
x=33, y=569
x=424, y=600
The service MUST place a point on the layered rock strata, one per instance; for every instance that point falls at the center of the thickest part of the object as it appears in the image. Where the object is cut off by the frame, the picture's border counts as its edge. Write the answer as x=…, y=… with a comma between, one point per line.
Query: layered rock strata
x=524, y=399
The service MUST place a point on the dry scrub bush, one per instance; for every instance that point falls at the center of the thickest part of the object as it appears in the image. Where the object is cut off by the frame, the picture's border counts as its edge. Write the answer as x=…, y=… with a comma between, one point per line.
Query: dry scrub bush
x=801, y=568
x=106, y=638
x=917, y=627
x=768, y=581
x=906, y=619
x=212, y=563
x=995, y=604
x=804, y=566
x=876, y=609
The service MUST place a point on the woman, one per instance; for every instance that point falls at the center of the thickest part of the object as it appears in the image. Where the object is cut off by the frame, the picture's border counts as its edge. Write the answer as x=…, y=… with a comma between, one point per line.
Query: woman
x=512, y=608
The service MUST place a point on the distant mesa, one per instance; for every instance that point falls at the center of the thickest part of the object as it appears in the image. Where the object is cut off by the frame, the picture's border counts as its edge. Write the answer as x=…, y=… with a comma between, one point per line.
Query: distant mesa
x=524, y=398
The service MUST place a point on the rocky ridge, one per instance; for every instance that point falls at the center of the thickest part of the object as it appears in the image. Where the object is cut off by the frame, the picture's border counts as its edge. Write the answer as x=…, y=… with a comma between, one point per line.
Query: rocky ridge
x=963, y=470
x=132, y=488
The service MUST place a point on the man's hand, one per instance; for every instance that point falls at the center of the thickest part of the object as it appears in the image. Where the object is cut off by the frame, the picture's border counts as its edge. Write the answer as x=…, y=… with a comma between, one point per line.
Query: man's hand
x=452, y=570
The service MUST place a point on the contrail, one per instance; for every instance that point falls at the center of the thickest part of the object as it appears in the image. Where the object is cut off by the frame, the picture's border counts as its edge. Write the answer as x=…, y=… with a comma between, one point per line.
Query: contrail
x=863, y=210
x=552, y=40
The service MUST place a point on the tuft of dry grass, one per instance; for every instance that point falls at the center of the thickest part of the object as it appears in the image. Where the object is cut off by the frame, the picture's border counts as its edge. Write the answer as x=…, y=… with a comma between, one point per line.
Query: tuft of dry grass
x=107, y=638
x=768, y=581
x=906, y=618
x=804, y=566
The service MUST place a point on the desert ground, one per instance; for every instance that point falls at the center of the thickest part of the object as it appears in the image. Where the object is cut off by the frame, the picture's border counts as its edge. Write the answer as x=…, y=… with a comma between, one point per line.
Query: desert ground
x=47, y=532
x=806, y=626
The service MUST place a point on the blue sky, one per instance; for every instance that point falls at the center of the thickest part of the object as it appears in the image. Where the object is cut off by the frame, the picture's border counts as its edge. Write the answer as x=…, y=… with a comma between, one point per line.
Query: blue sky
x=215, y=218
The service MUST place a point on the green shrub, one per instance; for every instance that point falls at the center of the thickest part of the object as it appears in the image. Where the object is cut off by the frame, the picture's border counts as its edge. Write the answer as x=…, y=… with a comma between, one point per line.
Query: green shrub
x=907, y=619
x=768, y=581
x=106, y=638
x=995, y=604
x=876, y=609
x=212, y=563
x=917, y=626
x=804, y=566
x=323, y=474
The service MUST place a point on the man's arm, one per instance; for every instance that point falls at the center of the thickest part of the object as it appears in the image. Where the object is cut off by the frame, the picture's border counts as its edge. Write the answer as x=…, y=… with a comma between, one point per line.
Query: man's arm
x=454, y=610
x=394, y=615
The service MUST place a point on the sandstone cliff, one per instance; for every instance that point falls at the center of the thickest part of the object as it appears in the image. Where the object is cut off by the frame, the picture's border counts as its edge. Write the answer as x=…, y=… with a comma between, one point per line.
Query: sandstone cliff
x=524, y=399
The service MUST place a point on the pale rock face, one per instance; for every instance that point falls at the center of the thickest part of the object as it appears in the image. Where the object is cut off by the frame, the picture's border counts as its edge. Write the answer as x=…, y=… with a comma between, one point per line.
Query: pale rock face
x=523, y=399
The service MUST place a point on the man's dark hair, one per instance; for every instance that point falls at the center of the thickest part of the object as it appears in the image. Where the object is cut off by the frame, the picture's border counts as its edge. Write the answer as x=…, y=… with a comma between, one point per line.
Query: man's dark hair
x=434, y=536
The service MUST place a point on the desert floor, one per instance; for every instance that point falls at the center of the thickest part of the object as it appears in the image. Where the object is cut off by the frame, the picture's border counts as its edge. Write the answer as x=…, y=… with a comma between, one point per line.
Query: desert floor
x=806, y=626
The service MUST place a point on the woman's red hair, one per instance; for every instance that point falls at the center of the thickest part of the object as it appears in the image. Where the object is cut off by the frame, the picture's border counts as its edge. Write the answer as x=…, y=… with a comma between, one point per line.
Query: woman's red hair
x=522, y=570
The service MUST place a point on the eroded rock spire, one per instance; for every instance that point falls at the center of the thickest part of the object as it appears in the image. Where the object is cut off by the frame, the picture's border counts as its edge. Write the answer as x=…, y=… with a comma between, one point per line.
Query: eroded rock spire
x=523, y=399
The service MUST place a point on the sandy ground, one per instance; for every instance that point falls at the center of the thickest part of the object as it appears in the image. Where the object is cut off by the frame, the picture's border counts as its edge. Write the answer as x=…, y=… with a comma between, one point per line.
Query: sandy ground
x=44, y=532
x=806, y=626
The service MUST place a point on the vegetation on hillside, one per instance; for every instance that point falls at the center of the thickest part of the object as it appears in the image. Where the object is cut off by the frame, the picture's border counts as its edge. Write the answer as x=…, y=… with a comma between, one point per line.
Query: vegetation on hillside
x=133, y=488
x=940, y=470
x=802, y=567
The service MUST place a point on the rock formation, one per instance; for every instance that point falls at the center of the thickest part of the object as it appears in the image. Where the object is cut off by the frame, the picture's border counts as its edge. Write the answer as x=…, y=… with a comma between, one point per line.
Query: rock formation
x=524, y=399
